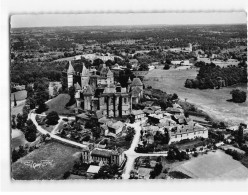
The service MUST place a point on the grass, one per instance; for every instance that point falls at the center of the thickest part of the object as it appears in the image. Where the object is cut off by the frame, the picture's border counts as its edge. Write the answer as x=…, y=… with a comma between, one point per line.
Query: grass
x=58, y=104
x=17, y=109
x=178, y=175
x=244, y=161
x=60, y=154
x=213, y=165
x=212, y=101
x=19, y=95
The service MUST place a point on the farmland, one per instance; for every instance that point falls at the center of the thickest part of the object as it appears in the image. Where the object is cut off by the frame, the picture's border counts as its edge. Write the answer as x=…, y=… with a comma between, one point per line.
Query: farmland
x=212, y=101
x=61, y=156
x=213, y=165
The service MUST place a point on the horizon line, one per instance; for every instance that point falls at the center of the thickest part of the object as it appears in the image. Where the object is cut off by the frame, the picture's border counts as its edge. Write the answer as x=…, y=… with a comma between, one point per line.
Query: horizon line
x=190, y=24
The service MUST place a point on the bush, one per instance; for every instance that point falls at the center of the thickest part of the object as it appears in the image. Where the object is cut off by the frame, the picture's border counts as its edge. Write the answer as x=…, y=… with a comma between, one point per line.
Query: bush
x=52, y=118
x=238, y=96
x=166, y=67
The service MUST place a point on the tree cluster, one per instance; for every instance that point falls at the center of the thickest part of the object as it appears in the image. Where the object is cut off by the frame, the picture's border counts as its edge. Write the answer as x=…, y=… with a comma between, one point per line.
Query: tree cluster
x=211, y=76
x=238, y=96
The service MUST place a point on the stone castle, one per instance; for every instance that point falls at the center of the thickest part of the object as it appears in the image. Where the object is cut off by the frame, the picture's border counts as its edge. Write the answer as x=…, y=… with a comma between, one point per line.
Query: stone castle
x=97, y=91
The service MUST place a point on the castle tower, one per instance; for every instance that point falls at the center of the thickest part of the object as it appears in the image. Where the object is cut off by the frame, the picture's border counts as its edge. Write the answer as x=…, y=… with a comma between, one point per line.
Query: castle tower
x=190, y=47
x=128, y=85
x=70, y=73
x=85, y=76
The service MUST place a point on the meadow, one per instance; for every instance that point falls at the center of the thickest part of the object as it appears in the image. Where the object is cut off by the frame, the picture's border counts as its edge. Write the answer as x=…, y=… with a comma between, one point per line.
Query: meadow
x=212, y=101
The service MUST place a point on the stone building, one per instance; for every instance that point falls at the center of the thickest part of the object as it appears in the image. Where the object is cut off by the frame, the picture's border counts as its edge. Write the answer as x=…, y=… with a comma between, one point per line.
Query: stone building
x=103, y=156
x=97, y=90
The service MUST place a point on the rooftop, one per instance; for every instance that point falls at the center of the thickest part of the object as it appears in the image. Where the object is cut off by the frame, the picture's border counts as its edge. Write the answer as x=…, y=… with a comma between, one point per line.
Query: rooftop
x=93, y=169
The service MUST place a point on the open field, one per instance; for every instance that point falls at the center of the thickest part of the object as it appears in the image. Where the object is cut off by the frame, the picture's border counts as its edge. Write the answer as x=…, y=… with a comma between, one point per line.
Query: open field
x=19, y=95
x=212, y=101
x=60, y=154
x=17, y=138
x=213, y=165
x=58, y=104
x=17, y=109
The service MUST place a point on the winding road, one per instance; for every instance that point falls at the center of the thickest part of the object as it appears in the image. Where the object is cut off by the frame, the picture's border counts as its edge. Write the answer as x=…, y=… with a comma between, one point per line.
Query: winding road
x=130, y=153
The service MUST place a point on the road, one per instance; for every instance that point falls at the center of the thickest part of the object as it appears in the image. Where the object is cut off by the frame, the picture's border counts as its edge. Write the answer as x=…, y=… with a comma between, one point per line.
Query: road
x=131, y=154
x=43, y=131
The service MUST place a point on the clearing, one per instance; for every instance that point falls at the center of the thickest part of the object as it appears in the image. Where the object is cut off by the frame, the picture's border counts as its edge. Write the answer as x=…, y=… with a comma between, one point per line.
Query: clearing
x=58, y=104
x=212, y=101
x=213, y=165
x=61, y=155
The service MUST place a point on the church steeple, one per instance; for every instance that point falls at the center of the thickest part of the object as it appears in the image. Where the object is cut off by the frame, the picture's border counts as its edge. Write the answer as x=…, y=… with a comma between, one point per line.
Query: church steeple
x=85, y=75
x=70, y=73
x=70, y=69
x=85, y=71
x=128, y=85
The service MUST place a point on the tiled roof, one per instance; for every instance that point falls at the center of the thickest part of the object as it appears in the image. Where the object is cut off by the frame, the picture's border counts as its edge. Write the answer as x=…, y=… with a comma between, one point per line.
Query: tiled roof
x=77, y=86
x=85, y=71
x=93, y=169
x=70, y=69
x=88, y=91
x=137, y=112
x=137, y=82
x=103, y=153
x=136, y=91
x=116, y=125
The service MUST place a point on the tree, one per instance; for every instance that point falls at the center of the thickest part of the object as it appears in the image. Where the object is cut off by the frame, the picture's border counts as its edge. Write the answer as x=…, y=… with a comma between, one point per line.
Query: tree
x=143, y=67
x=20, y=121
x=13, y=125
x=40, y=97
x=97, y=62
x=52, y=118
x=15, y=104
x=96, y=132
x=240, y=136
x=168, y=61
x=30, y=91
x=30, y=131
x=15, y=155
x=166, y=67
x=238, y=96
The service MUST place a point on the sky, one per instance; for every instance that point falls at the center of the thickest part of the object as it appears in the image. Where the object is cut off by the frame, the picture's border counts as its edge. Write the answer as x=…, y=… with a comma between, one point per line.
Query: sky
x=112, y=19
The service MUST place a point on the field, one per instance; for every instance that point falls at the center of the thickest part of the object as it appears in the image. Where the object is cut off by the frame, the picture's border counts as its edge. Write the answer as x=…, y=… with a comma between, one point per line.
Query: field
x=212, y=101
x=19, y=95
x=58, y=104
x=216, y=165
x=17, y=138
x=62, y=160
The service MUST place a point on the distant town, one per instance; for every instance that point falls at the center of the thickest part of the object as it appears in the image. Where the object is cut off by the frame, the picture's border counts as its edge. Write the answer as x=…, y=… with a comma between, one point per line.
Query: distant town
x=129, y=102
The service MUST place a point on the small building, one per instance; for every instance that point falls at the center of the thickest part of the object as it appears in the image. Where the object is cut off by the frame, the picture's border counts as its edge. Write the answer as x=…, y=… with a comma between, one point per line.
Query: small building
x=92, y=170
x=181, y=132
x=138, y=115
x=144, y=173
x=104, y=156
x=116, y=127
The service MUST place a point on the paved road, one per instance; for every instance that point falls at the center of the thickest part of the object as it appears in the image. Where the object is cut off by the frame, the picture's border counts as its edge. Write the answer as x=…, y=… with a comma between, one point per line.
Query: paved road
x=43, y=131
x=131, y=154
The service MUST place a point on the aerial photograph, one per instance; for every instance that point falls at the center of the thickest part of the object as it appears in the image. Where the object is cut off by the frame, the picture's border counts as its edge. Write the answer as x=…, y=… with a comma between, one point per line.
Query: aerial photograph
x=134, y=96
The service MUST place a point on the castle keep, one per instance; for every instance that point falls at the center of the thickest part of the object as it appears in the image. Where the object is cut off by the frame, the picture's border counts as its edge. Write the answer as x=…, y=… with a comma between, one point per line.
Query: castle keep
x=97, y=90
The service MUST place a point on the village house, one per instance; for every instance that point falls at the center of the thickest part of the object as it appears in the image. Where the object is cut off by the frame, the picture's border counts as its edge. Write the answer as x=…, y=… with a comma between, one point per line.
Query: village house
x=182, y=132
x=103, y=156
x=138, y=115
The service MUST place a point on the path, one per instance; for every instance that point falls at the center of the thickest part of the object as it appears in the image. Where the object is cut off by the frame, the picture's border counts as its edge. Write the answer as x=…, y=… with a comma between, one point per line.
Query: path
x=132, y=155
x=43, y=131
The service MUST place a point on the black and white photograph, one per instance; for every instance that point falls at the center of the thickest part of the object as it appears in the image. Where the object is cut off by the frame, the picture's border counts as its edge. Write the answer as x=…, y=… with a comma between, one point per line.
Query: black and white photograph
x=127, y=97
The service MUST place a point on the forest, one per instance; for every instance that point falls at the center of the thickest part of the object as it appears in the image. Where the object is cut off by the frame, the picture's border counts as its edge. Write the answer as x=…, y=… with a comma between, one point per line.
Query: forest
x=211, y=76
